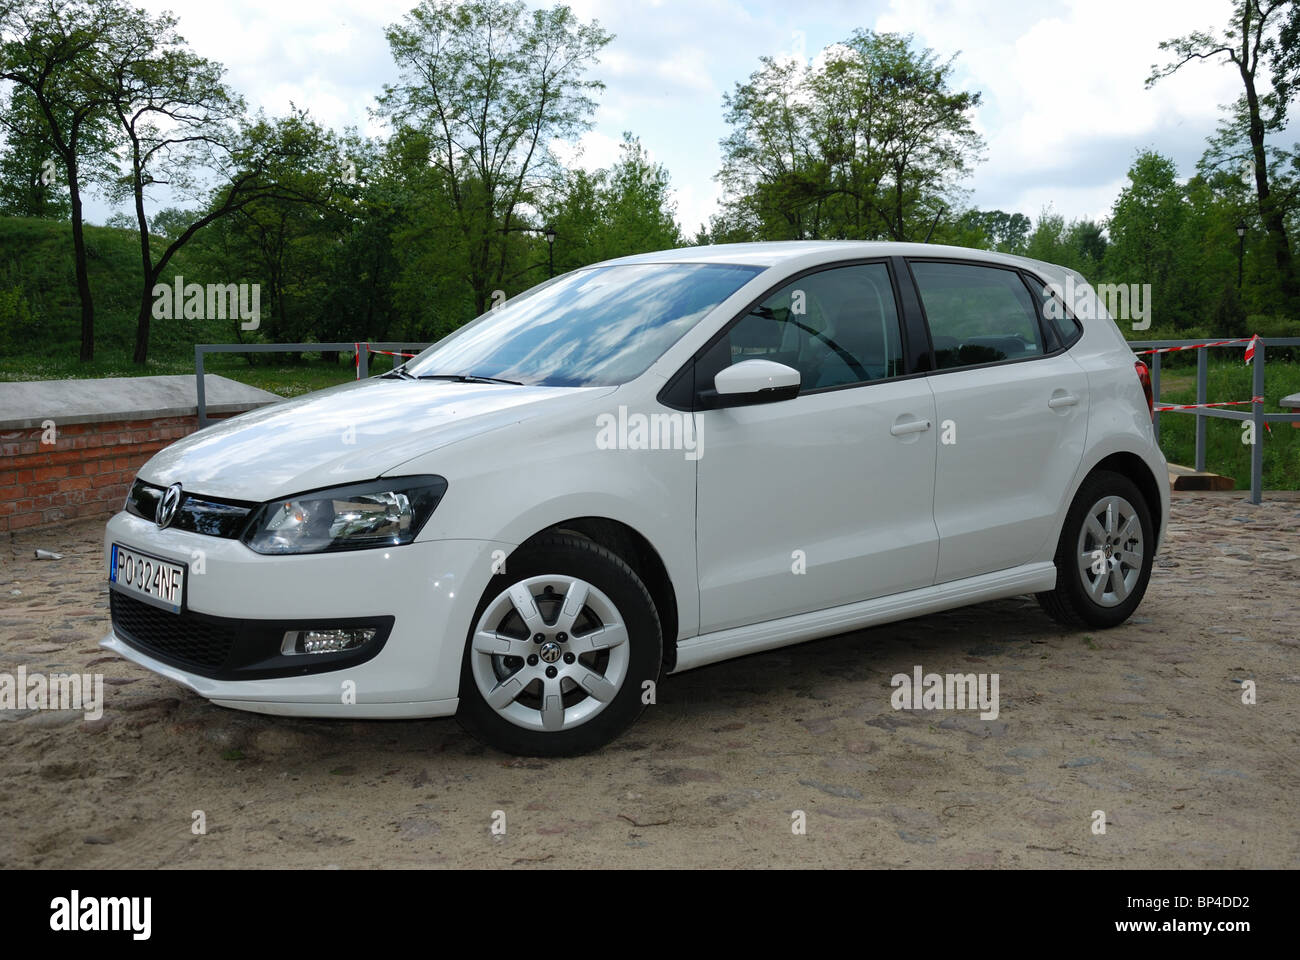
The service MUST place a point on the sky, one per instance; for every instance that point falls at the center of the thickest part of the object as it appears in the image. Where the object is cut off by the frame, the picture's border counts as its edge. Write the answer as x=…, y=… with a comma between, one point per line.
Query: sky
x=1064, y=109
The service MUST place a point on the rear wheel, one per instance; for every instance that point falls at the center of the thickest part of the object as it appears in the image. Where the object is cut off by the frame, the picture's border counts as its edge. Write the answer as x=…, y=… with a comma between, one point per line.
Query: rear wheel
x=1104, y=556
x=560, y=648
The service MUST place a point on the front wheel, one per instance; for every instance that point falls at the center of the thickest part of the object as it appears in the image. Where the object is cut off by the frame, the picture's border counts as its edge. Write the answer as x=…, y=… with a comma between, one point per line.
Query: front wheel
x=560, y=650
x=1104, y=556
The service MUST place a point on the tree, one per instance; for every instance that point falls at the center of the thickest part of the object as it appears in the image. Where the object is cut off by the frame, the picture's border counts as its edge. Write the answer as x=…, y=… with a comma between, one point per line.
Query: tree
x=170, y=222
x=31, y=183
x=54, y=50
x=870, y=141
x=1260, y=35
x=1164, y=233
x=181, y=127
x=174, y=115
x=287, y=231
x=1002, y=231
x=639, y=213
x=490, y=83
x=614, y=212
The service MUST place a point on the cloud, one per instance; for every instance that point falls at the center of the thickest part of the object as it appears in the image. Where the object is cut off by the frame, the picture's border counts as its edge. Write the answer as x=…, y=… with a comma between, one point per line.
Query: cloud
x=1064, y=100
x=593, y=151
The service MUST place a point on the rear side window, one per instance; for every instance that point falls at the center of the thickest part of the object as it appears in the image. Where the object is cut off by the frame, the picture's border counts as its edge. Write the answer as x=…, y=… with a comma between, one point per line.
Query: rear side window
x=1055, y=315
x=977, y=314
x=837, y=327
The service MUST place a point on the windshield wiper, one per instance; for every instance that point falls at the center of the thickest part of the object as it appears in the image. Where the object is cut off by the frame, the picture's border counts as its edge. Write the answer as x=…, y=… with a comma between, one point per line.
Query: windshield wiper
x=466, y=378
x=397, y=372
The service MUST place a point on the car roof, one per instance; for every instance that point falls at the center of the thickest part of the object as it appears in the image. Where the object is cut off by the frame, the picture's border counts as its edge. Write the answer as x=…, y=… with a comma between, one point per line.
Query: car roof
x=774, y=252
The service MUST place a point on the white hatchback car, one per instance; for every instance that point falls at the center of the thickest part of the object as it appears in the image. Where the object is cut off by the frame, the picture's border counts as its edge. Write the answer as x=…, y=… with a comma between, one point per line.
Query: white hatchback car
x=644, y=466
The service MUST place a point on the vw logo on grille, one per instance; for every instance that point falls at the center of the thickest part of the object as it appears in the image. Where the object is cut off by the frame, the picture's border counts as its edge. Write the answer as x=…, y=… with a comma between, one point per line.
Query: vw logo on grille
x=166, y=512
x=550, y=652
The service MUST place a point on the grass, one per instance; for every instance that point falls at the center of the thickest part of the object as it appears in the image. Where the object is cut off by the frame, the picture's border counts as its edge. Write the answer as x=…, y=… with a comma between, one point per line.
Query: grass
x=1231, y=379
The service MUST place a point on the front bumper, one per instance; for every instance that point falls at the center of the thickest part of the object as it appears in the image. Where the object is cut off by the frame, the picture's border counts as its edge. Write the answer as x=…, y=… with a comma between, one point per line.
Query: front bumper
x=427, y=591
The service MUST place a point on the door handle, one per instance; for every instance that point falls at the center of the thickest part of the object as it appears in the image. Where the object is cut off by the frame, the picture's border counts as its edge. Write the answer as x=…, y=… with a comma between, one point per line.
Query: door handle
x=1068, y=400
x=912, y=426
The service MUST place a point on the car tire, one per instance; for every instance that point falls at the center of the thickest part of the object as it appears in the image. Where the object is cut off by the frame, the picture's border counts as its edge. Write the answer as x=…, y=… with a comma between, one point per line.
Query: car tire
x=1104, y=556
x=541, y=678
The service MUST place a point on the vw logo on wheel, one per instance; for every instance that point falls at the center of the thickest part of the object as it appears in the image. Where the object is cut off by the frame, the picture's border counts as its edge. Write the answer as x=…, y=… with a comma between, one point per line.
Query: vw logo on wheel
x=166, y=512
x=550, y=652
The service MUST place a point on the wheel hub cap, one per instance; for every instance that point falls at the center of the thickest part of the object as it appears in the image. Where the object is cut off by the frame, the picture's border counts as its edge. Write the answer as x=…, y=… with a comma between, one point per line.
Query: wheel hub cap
x=1110, y=551
x=550, y=652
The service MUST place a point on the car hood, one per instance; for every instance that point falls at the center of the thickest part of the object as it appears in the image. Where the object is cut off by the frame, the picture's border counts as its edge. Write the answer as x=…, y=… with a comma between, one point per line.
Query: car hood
x=346, y=434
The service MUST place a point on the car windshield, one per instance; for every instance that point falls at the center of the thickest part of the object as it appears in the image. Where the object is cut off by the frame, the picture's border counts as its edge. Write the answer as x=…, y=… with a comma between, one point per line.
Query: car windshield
x=594, y=327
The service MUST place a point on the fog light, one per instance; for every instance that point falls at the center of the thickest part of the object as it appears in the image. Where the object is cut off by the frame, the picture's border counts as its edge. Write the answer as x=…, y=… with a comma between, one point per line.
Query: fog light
x=325, y=641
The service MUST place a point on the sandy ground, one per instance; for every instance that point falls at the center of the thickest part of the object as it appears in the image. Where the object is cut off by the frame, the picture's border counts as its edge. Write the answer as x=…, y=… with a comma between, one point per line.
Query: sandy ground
x=1145, y=722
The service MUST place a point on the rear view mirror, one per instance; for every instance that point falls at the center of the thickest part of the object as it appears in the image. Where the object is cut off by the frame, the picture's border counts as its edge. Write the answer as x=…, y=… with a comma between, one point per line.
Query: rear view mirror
x=755, y=381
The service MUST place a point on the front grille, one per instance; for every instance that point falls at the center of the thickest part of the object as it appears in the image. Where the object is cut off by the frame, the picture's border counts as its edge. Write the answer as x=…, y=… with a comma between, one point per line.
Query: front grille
x=184, y=640
x=205, y=515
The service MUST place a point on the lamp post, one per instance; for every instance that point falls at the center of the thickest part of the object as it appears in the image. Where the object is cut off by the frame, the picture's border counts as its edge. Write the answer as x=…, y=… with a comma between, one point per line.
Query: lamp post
x=549, y=234
x=1241, y=249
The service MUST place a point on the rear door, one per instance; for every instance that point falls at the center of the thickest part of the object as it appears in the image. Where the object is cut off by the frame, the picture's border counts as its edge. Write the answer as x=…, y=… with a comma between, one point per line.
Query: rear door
x=1012, y=412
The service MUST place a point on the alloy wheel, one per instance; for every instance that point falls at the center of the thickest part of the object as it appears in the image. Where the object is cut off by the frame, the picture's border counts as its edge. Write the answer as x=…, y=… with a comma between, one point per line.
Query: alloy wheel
x=550, y=652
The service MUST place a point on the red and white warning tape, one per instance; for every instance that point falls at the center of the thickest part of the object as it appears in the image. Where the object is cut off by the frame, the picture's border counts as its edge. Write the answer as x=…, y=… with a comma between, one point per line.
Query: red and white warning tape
x=1226, y=403
x=356, y=361
x=1249, y=341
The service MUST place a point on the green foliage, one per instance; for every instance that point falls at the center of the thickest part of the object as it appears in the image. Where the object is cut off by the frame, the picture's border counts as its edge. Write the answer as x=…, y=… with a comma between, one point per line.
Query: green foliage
x=611, y=213
x=989, y=230
x=1259, y=44
x=32, y=183
x=488, y=84
x=16, y=320
x=870, y=142
x=36, y=262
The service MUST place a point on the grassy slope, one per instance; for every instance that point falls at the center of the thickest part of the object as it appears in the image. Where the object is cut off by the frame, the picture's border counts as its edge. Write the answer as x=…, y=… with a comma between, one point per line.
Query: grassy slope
x=36, y=258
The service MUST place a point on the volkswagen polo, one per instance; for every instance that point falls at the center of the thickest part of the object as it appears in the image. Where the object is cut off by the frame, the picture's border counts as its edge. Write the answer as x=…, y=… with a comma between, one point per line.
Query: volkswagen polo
x=642, y=467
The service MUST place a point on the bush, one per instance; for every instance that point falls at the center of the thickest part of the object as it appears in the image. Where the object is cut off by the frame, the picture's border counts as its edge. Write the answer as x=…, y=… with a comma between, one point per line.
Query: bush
x=17, y=319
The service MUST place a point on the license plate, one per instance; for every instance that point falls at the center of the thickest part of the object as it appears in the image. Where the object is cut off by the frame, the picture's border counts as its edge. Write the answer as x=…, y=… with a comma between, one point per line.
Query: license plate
x=148, y=578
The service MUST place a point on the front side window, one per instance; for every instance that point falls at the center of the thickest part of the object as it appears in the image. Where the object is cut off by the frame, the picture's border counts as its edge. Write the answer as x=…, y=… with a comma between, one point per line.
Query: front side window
x=977, y=314
x=595, y=327
x=837, y=327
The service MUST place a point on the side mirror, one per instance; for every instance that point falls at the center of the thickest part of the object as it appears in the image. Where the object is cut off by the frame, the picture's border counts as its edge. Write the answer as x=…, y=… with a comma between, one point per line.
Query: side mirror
x=755, y=381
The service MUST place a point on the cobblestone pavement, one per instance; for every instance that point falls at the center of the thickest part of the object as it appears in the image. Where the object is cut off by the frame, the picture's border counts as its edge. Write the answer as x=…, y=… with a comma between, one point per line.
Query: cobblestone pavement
x=1145, y=723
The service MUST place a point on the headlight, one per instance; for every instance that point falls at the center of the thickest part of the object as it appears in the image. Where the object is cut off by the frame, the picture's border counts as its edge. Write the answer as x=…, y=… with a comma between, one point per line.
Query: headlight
x=382, y=513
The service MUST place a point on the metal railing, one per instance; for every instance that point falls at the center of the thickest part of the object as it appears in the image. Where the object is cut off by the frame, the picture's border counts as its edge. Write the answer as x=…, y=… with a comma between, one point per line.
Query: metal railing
x=362, y=362
x=1256, y=415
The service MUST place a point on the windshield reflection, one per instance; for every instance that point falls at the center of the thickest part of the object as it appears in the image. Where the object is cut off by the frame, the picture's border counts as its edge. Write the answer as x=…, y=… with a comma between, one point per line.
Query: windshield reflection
x=600, y=326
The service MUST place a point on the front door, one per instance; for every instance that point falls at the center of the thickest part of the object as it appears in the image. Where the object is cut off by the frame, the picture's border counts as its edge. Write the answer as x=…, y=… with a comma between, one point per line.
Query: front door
x=826, y=498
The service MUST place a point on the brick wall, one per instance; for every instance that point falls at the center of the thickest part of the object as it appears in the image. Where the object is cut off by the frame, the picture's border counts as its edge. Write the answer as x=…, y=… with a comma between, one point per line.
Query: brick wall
x=85, y=473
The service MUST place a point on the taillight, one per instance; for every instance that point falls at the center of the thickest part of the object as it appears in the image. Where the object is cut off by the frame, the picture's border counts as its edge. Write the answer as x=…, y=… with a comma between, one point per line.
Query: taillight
x=1144, y=377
